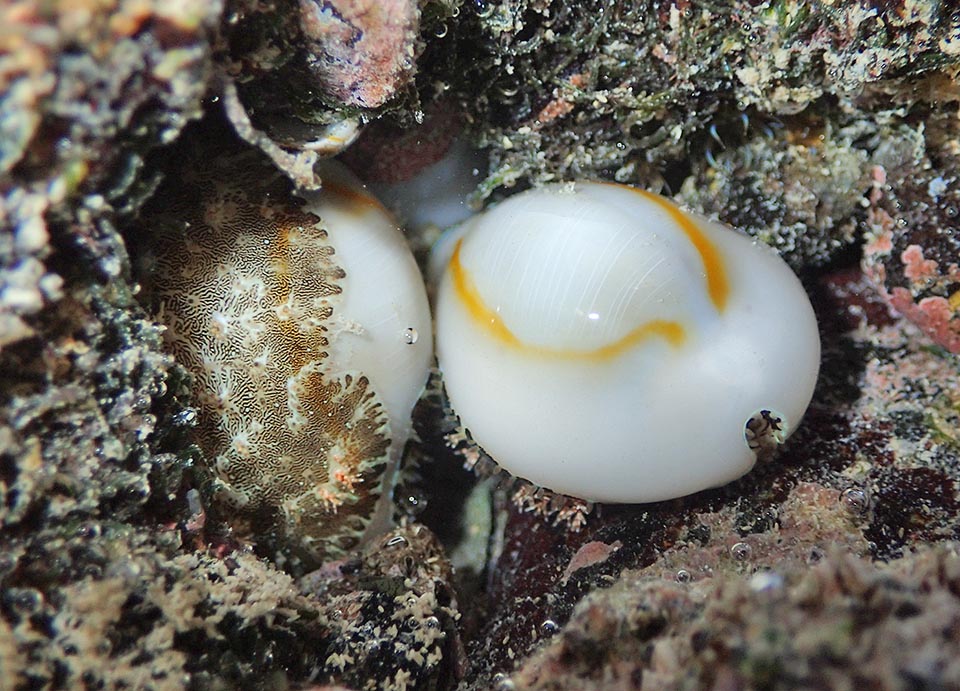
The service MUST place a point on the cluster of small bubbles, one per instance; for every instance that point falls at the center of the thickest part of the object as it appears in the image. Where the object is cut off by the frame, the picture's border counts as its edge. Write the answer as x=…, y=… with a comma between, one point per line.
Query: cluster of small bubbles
x=854, y=500
x=741, y=551
x=410, y=335
x=683, y=576
x=501, y=682
x=549, y=627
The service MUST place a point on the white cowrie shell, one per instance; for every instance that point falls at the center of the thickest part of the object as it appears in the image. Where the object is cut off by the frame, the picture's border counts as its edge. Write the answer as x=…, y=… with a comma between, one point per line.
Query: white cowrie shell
x=597, y=340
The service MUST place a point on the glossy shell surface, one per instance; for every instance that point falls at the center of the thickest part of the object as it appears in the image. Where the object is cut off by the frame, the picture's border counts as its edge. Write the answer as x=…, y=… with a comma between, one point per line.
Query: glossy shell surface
x=599, y=341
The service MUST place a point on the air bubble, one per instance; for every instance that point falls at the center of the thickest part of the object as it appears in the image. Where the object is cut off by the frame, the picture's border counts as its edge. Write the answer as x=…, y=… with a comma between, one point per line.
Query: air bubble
x=185, y=418
x=410, y=336
x=683, y=576
x=549, y=627
x=741, y=551
x=485, y=10
x=854, y=500
x=371, y=646
x=414, y=503
x=396, y=541
x=91, y=530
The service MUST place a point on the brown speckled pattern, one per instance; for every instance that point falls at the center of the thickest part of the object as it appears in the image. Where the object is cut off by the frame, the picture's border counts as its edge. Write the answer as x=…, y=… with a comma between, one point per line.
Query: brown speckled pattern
x=245, y=280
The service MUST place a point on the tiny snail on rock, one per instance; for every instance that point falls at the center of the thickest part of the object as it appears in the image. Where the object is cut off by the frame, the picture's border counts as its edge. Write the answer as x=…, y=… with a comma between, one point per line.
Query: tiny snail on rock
x=599, y=341
x=297, y=315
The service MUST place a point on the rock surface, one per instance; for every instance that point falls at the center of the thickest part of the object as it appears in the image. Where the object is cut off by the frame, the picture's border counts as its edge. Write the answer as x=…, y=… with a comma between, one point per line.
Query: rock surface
x=832, y=135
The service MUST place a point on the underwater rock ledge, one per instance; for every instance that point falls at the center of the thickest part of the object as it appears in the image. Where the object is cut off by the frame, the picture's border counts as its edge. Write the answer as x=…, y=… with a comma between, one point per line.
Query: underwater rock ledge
x=831, y=135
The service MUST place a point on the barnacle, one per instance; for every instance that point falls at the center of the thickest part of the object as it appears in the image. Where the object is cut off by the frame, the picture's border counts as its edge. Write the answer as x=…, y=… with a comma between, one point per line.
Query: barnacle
x=293, y=314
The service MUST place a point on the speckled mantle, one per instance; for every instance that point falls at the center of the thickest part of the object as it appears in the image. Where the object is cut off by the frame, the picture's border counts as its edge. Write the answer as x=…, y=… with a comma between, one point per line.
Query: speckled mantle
x=832, y=135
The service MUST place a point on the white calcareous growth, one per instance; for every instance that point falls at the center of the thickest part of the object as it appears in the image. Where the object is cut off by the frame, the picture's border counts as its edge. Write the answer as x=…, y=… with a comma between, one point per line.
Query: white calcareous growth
x=599, y=341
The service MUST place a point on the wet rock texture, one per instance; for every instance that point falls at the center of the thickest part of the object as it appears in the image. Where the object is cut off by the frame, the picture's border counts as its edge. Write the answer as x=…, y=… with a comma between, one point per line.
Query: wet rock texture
x=113, y=573
x=840, y=625
x=831, y=134
x=913, y=242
